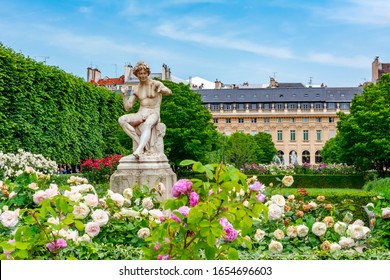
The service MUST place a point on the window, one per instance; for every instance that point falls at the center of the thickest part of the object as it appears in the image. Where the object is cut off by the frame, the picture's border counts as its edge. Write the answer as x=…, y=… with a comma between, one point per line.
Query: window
x=253, y=120
x=318, y=120
x=306, y=156
x=280, y=135
x=280, y=120
x=227, y=107
x=331, y=120
x=292, y=120
x=228, y=120
x=305, y=135
x=267, y=131
x=215, y=120
x=305, y=106
x=266, y=120
x=279, y=106
x=266, y=106
x=253, y=132
x=240, y=120
x=318, y=105
x=292, y=135
x=318, y=158
x=305, y=120
x=344, y=105
x=292, y=105
x=331, y=105
x=241, y=106
x=253, y=106
x=215, y=107
x=332, y=133
x=319, y=135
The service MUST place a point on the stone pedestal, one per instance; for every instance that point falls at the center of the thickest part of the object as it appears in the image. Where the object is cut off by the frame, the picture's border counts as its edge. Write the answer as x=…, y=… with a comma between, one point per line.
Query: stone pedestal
x=147, y=170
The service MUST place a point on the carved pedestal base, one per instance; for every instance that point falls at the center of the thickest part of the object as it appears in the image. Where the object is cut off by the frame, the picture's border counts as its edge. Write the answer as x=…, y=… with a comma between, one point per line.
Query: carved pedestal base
x=147, y=170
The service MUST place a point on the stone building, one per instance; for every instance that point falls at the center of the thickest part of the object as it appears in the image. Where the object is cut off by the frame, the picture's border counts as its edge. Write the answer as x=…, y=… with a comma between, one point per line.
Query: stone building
x=378, y=69
x=300, y=119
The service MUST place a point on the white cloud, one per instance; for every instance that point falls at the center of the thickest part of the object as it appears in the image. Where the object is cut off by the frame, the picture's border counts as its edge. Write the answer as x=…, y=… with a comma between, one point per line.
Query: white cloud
x=358, y=61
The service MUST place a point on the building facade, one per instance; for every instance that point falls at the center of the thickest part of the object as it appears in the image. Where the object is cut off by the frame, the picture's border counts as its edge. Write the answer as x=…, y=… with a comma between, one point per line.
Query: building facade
x=300, y=119
x=378, y=69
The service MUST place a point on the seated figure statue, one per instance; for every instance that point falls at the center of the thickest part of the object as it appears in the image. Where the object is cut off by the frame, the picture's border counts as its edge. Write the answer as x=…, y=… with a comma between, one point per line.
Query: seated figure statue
x=144, y=127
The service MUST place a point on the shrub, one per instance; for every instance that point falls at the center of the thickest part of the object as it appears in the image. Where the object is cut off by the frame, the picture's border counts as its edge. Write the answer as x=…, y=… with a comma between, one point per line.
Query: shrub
x=379, y=186
x=99, y=170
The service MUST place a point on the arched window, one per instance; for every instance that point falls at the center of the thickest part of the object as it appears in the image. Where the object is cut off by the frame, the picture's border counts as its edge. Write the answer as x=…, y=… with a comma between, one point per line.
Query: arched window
x=318, y=157
x=305, y=156
x=293, y=157
x=281, y=156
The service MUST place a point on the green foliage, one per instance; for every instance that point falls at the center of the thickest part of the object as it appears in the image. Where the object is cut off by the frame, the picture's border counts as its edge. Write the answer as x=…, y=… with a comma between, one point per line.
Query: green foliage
x=363, y=134
x=190, y=134
x=380, y=186
x=319, y=181
x=197, y=225
x=47, y=111
x=241, y=148
x=265, y=147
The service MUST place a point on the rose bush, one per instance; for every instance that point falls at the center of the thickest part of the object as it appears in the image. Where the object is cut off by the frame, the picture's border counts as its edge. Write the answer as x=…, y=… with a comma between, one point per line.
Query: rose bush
x=221, y=217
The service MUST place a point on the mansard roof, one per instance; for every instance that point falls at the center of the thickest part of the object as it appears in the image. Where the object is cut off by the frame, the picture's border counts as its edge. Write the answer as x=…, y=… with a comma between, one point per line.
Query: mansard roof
x=264, y=95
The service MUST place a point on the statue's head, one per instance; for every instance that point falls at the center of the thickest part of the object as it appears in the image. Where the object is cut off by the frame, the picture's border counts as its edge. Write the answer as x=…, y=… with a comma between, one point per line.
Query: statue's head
x=141, y=66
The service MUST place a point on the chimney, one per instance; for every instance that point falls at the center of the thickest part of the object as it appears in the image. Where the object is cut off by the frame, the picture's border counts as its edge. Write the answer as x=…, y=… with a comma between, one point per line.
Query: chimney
x=96, y=75
x=273, y=83
x=218, y=84
x=128, y=72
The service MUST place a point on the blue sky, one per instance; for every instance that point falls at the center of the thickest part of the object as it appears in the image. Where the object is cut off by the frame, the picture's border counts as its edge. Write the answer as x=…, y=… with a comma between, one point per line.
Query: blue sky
x=332, y=41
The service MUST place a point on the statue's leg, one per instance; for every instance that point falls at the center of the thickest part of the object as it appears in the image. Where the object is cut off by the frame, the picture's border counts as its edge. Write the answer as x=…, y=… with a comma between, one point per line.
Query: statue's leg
x=125, y=122
x=146, y=133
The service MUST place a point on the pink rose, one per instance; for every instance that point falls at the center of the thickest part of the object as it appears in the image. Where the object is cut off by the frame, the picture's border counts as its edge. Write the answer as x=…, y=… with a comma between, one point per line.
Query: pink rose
x=194, y=199
x=257, y=186
x=58, y=244
x=180, y=187
x=92, y=229
x=184, y=210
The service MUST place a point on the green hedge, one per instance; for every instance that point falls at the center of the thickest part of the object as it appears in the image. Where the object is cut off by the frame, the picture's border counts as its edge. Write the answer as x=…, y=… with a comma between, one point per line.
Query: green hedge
x=318, y=181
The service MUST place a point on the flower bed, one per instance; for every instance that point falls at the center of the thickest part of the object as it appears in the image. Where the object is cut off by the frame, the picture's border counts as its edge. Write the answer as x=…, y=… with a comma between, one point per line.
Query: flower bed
x=226, y=216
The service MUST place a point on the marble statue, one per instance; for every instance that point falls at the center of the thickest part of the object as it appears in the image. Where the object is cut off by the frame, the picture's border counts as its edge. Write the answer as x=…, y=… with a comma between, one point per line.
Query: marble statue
x=144, y=127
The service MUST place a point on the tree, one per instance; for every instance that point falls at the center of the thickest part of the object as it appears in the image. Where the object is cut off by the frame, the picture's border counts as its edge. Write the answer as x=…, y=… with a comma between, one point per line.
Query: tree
x=241, y=148
x=363, y=135
x=265, y=147
x=190, y=133
x=331, y=151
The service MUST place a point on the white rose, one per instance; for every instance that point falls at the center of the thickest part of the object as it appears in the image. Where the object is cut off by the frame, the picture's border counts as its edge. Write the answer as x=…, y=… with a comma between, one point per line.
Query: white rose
x=72, y=235
x=92, y=229
x=129, y=213
x=313, y=205
x=346, y=242
x=358, y=222
x=10, y=218
x=279, y=200
x=292, y=231
x=356, y=231
x=73, y=195
x=80, y=211
x=287, y=181
x=386, y=212
x=39, y=196
x=143, y=233
x=156, y=213
x=12, y=194
x=302, y=230
x=319, y=228
x=340, y=227
x=33, y=186
x=118, y=199
x=84, y=238
x=54, y=221
x=246, y=203
x=91, y=200
x=100, y=217
x=279, y=234
x=275, y=247
x=274, y=212
x=82, y=188
x=259, y=235
x=144, y=212
x=334, y=247
x=147, y=203
x=128, y=193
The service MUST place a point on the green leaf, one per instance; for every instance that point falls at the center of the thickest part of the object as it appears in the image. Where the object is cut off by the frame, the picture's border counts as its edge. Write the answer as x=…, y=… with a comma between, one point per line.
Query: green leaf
x=79, y=225
x=210, y=252
x=198, y=167
x=232, y=254
x=194, y=216
x=187, y=162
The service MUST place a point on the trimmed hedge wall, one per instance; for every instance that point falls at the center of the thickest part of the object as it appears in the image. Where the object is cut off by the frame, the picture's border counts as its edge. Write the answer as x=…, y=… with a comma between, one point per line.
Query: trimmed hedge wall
x=318, y=181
